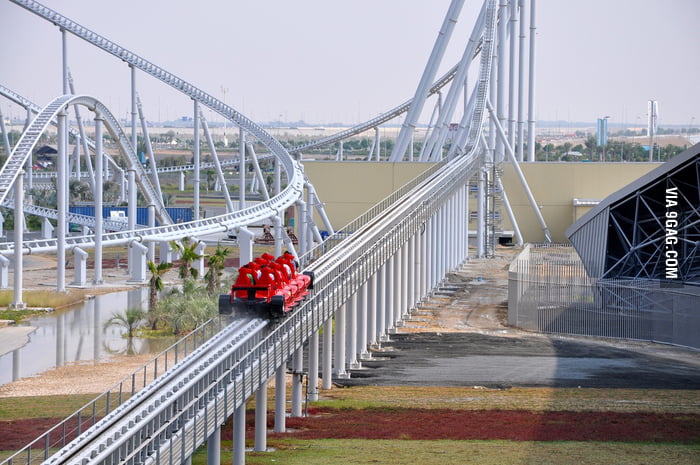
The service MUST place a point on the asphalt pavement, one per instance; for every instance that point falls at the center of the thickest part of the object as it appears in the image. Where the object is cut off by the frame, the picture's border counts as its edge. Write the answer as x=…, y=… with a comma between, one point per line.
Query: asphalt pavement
x=473, y=359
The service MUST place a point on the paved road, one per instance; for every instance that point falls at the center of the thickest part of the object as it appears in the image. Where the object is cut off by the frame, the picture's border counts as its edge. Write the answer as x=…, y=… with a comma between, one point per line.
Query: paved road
x=472, y=359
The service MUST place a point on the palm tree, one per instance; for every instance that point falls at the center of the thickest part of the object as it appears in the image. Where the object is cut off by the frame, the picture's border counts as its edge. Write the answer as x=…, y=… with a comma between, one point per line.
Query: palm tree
x=130, y=320
x=188, y=254
x=184, y=310
x=156, y=283
x=216, y=266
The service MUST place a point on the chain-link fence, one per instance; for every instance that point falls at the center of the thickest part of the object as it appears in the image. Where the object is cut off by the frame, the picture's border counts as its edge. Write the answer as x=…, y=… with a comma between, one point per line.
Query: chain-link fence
x=549, y=291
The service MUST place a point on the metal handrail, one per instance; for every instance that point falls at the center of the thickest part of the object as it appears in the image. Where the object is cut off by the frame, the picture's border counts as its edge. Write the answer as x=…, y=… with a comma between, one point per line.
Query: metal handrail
x=87, y=415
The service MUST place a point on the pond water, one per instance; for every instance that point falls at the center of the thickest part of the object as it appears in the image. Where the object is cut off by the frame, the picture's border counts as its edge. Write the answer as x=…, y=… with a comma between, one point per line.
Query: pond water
x=76, y=334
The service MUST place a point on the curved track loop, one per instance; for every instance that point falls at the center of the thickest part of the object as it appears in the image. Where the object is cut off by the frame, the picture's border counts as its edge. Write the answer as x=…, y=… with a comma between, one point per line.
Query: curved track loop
x=374, y=122
x=293, y=170
x=12, y=167
x=262, y=211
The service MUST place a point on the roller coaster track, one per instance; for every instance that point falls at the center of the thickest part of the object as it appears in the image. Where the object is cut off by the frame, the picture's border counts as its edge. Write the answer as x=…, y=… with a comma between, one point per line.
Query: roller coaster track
x=291, y=167
x=34, y=108
x=262, y=211
x=30, y=137
x=381, y=119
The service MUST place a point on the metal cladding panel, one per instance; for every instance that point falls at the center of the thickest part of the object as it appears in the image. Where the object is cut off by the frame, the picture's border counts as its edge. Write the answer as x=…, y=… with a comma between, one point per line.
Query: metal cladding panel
x=623, y=236
x=590, y=241
x=178, y=214
x=639, y=184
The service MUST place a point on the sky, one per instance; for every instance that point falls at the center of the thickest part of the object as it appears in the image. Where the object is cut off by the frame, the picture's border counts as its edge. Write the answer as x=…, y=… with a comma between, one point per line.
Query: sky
x=331, y=61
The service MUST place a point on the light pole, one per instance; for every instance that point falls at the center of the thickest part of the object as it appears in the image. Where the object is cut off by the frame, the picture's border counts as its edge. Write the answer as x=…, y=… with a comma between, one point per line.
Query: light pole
x=690, y=125
x=602, y=136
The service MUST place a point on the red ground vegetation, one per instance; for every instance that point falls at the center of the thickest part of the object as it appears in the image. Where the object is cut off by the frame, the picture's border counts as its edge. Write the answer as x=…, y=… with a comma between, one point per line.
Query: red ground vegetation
x=516, y=425
x=404, y=423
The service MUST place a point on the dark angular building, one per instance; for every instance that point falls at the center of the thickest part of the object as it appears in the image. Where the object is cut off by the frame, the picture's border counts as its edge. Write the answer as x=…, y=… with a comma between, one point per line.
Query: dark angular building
x=648, y=230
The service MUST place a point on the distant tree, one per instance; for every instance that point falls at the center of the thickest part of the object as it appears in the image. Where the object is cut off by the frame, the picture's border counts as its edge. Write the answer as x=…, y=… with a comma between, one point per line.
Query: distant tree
x=216, y=267
x=155, y=284
x=188, y=254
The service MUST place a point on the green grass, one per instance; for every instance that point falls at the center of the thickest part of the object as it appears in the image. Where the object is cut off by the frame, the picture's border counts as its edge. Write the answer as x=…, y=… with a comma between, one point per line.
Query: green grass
x=14, y=408
x=18, y=315
x=322, y=452
x=44, y=299
x=531, y=399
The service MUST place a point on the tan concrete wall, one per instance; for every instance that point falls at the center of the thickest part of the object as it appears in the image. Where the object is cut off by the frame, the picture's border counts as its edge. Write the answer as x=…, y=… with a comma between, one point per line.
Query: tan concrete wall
x=556, y=185
x=348, y=189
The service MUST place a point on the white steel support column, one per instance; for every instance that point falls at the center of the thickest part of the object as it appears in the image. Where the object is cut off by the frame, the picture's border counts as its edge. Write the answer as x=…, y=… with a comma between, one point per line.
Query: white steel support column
x=260, y=419
x=239, y=435
x=450, y=233
x=214, y=447
x=18, y=302
x=428, y=262
x=351, y=339
x=441, y=242
x=281, y=399
x=390, y=295
x=64, y=62
x=459, y=228
x=424, y=260
x=196, y=161
x=511, y=214
x=362, y=324
x=134, y=110
x=278, y=233
x=481, y=212
x=97, y=196
x=75, y=161
x=464, y=224
x=436, y=249
x=339, y=343
x=5, y=138
x=427, y=78
x=151, y=256
x=384, y=322
x=377, y=144
x=327, y=355
x=61, y=201
x=372, y=311
x=411, y=268
x=513, y=23
x=522, y=4
x=312, y=379
x=398, y=287
x=241, y=169
x=501, y=70
x=131, y=206
x=521, y=177
x=403, y=311
x=531, y=85
x=297, y=381
x=302, y=226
